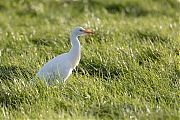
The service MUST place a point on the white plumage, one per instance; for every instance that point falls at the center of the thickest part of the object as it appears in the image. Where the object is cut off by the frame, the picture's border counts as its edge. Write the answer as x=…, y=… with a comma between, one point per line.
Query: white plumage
x=60, y=67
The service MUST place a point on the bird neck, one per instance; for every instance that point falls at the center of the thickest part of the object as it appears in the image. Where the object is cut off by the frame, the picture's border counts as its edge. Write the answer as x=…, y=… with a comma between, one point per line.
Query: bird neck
x=74, y=40
x=75, y=51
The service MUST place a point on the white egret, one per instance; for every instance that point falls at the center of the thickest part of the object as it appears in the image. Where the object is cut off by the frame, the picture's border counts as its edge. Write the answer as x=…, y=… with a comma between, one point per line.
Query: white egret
x=60, y=67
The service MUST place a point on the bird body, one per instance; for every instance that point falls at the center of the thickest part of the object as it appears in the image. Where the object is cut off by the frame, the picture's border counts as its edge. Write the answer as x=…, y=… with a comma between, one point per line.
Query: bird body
x=60, y=67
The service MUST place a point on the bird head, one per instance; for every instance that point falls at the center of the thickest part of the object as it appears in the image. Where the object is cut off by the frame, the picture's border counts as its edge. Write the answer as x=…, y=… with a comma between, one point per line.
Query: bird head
x=78, y=31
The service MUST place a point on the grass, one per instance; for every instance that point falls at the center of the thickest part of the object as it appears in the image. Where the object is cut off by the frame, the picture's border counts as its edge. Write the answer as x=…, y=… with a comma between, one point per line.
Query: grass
x=129, y=68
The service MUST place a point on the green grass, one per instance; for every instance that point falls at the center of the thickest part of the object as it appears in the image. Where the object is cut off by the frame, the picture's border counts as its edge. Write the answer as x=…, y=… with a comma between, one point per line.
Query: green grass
x=129, y=68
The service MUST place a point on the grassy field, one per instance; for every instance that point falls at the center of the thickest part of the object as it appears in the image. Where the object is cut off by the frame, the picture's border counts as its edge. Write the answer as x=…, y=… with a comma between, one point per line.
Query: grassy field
x=129, y=68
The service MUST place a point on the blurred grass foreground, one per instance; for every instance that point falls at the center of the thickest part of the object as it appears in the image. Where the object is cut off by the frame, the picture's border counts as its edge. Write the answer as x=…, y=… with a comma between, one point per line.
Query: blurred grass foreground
x=129, y=68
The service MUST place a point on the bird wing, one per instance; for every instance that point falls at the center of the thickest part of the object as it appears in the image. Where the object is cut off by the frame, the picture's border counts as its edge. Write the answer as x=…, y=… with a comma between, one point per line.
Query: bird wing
x=59, y=66
x=64, y=70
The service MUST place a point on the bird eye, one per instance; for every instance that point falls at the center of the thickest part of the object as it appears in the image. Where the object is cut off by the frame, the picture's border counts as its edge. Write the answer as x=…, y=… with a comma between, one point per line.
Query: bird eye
x=81, y=30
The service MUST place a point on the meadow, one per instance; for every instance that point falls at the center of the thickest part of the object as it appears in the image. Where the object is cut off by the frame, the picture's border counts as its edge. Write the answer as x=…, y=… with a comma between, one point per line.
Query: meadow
x=129, y=69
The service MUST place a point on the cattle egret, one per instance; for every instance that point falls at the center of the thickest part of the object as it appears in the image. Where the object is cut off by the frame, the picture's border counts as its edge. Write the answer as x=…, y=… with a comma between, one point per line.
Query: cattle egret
x=60, y=67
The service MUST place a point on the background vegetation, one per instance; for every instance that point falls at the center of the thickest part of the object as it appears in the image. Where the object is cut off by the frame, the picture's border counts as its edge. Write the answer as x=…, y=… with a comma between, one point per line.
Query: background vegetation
x=129, y=68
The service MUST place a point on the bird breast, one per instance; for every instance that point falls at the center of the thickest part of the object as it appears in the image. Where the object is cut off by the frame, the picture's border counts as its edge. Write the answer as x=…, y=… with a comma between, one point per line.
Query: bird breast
x=74, y=56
